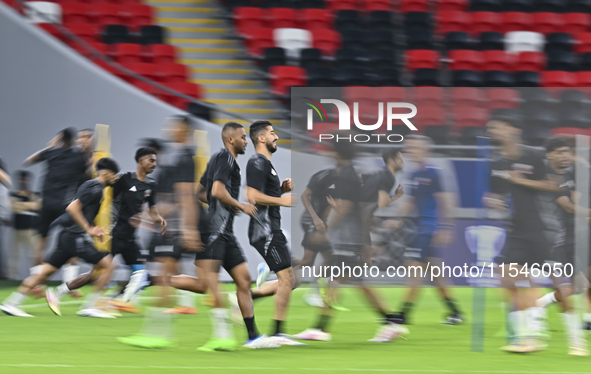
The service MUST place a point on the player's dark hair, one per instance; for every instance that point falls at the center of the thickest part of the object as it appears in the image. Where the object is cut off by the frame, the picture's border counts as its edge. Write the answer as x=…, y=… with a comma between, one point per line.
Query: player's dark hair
x=107, y=163
x=509, y=116
x=68, y=135
x=390, y=154
x=144, y=151
x=345, y=150
x=256, y=128
x=23, y=174
x=556, y=142
x=232, y=125
x=186, y=120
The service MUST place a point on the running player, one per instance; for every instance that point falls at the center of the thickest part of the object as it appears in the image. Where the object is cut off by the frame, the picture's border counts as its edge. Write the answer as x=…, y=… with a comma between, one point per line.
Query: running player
x=269, y=194
x=74, y=241
x=221, y=181
x=65, y=167
x=520, y=173
x=130, y=193
x=349, y=245
x=177, y=204
x=435, y=228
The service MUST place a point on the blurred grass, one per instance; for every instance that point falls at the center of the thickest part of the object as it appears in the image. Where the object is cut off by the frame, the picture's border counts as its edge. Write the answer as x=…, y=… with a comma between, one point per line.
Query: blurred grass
x=84, y=345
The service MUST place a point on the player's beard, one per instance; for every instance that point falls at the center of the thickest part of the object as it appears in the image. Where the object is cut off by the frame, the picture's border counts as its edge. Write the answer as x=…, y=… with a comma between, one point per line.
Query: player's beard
x=272, y=147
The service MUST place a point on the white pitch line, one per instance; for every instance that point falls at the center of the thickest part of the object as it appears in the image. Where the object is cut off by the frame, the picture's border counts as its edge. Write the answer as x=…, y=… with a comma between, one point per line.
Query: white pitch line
x=279, y=369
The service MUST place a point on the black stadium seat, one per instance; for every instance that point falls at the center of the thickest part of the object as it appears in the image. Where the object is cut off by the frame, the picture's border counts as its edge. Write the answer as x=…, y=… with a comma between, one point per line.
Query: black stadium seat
x=345, y=58
x=457, y=40
x=383, y=77
x=518, y=5
x=418, y=21
x=466, y=78
x=496, y=78
x=578, y=6
x=420, y=40
x=350, y=76
x=380, y=59
x=559, y=41
x=310, y=58
x=427, y=77
x=491, y=41
x=381, y=18
x=527, y=79
x=152, y=35
x=274, y=57
x=115, y=34
x=486, y=5
x=563, y=61
x=551, y=6
x=346, y=19
x=320, y=77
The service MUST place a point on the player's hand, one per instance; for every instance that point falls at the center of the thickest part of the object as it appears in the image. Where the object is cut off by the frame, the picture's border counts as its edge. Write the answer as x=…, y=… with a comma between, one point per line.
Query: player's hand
x=320, y=226
x=96, y=232
x=399, y=192
x=392, y=224
x=494, y=203
x=515, y=177
x=289, y=200
x=249, y=209
x=442, y=238
x=287, y=185
x=162, y=226
x=191, y=240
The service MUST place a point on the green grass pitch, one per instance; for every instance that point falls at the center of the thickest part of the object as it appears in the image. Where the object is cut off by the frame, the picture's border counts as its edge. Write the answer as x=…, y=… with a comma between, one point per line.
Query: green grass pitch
x=71, y=344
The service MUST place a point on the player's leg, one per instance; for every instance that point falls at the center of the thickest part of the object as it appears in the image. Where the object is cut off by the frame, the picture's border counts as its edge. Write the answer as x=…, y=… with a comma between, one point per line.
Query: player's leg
x=54, y=295
x=455, y=315
x=11, y=304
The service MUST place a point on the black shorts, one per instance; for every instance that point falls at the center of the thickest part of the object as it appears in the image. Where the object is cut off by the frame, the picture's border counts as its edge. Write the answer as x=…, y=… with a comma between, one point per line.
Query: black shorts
x=166, y=246
x=71, y=245
x=314, y=240
x=224, y=248
x=128, y=249
x=274, y=251
x=47, y=215
x=527, y=249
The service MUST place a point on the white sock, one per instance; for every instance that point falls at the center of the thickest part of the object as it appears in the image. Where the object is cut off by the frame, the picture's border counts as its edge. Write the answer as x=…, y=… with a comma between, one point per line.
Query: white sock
x=513, y=323
x=15, y=299
x=158, y=323
x=587, y=317
x=186, y=298
x=573, y=328
x=534, y=318
x=219, y=323
x=547, y=299
x=522, y=330
x=35, y=270
x=69, y=272
x=62, y=290
x=135, y=281
x=90, y=300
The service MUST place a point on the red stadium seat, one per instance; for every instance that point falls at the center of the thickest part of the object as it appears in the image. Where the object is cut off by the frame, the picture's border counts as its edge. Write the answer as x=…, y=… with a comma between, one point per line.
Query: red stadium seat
x=576, y=23
x=352, y=94
x=414, y=6
x=429, y=116
x=546, y=23
x=443, y=5
x=517, y=21
x=469, y=117
x=569, y=131
x=506, y=98
x=148, y=88
x=284, y=77
x=328, y=41
x=465, y=60
x=127, y=2
x=280, y=18
x=485, y=22
x=159, y=54
x=449, y=21
x=428, y=96
x=187, y=88
x=125, y=53
x=52, y=30
x=583, y=44
x=498, y=60
x=325, y=128
x=247, y=18
x=257, y=39
x=467, y=97
x=422, y=59
x=558, y=79
x=139, y=15
x=100, y=47
x=371, y=5
x=105, y=14
x=335, y=5
x=312, y=19
x=171, y=73
x=530, y=61
x=583, y=79
x=393, y=94
x=75, y=13
x=140, y=68
x=87, y=32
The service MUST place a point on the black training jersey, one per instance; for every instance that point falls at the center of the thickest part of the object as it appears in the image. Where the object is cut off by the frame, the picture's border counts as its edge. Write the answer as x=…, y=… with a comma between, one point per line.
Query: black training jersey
x=129, y=195
x=552, y=214
x=261, y=175
x=219, y=218
x=90, y=195
x=527, y=216
x=65, y=168
x=322, y=185
x=382, y=180
x=348, y=188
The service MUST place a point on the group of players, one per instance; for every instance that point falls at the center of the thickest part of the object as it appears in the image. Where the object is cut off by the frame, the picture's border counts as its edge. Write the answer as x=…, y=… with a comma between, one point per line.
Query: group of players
x=339, y=204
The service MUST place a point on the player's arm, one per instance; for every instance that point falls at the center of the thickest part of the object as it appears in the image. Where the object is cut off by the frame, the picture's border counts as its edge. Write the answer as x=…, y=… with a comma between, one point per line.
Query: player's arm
x=384, y=198
x=494, y=201
x=256, y=175
x=257, y=197
x=546, y=184
x=38, y=156
x=201, y=193
x=219, y=191
x=318, y=222
x=189, y=215
x=75, y=211
x=5, y=179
